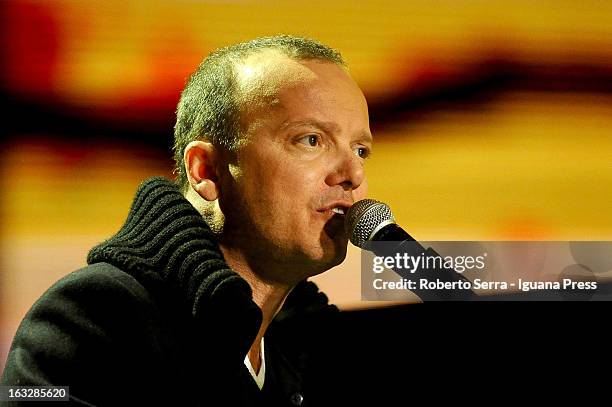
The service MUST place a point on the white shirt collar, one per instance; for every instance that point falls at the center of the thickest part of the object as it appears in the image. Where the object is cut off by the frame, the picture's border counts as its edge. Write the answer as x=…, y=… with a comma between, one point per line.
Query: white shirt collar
x=261, y=375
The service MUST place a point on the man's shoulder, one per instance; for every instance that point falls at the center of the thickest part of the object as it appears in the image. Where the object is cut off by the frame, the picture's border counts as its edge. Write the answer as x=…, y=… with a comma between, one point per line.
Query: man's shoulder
x=100, y=276
x=96, y=327
x=95, y=282
x=98, y=299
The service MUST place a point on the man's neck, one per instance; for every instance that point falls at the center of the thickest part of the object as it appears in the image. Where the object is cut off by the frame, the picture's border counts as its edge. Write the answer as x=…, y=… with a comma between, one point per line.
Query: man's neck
x=268, y=295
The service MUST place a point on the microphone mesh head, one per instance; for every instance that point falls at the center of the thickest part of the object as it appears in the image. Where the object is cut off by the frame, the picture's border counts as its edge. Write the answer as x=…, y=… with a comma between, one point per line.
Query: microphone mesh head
x=364, y=217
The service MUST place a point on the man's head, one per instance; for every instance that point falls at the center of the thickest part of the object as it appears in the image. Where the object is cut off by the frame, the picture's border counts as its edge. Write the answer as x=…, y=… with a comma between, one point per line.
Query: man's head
x=281, y=148
x=210, y=106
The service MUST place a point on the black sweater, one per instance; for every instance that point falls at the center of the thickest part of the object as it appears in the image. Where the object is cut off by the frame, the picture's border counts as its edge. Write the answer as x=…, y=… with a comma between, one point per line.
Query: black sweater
x=158, y=318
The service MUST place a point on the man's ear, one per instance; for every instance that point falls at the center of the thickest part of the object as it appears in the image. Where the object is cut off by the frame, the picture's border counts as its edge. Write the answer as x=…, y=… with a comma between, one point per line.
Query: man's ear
x=199, y=158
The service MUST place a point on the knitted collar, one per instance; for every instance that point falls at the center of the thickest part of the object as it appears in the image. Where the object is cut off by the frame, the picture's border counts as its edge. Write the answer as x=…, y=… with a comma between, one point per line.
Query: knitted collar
x=166, y=245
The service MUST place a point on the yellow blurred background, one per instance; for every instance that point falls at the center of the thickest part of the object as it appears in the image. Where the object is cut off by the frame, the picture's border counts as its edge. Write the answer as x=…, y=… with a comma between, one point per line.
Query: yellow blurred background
x=491, y=120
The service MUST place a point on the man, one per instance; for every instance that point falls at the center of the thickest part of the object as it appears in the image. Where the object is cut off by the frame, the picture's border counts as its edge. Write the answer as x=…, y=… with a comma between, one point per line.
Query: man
x=178, y=307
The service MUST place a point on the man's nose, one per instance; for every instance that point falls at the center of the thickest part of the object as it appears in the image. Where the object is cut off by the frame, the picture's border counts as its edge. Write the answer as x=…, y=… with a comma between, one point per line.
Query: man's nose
x=347, y=171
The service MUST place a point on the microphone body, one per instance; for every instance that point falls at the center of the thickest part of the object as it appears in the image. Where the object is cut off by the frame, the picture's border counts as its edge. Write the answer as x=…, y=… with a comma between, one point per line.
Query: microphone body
x=372, y=227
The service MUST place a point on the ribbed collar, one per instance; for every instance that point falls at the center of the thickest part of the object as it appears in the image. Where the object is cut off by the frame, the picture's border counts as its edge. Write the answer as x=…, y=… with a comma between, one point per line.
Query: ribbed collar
x=168, y=247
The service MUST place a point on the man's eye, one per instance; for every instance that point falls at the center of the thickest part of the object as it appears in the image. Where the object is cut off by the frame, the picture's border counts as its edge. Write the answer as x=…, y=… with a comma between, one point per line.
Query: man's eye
x=311, y=140
x=362, y=152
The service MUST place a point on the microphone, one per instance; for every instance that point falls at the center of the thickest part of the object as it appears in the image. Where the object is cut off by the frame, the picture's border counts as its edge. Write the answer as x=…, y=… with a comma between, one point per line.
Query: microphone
x=369, y=222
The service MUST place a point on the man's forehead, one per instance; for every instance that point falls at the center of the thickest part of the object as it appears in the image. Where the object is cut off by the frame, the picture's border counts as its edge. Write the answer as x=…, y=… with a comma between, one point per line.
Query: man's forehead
x=264, y=73
x=285, y=89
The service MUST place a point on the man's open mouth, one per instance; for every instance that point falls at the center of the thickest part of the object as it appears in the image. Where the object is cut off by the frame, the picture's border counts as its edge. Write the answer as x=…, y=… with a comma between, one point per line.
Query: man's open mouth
x=338, y=210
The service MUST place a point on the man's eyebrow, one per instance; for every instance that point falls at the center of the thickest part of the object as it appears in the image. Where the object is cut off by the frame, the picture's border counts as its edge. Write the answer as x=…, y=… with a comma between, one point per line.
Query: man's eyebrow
x=329, y=127
x=365, y=136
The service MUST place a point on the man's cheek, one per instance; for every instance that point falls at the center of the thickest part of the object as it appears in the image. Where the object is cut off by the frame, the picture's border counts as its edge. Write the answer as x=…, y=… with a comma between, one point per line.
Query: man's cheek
x=361, y=192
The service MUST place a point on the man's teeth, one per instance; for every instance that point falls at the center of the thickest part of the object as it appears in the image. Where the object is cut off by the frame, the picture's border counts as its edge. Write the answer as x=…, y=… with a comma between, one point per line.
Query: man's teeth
x=338, y=210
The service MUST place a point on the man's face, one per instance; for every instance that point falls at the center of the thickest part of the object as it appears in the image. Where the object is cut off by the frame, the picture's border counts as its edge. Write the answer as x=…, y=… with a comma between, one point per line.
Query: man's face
x=302, y=161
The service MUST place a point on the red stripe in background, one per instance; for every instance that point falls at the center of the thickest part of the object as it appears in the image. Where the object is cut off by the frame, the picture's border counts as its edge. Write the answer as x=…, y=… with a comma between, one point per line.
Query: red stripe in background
x=30, y=44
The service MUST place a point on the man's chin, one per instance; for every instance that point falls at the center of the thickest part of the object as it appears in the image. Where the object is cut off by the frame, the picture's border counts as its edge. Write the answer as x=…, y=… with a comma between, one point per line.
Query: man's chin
x=333, y=253
x=334, y=228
